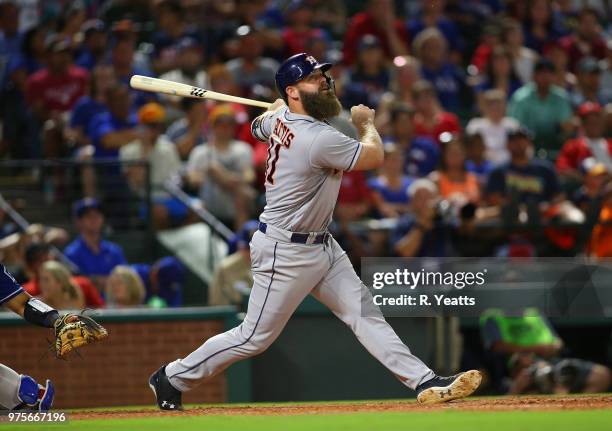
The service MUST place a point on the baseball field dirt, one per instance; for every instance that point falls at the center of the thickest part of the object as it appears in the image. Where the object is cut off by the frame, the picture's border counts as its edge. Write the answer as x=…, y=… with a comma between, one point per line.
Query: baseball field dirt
x=499, y=414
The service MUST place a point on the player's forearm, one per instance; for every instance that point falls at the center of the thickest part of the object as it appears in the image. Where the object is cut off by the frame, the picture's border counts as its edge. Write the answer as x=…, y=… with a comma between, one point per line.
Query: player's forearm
x=372, y=152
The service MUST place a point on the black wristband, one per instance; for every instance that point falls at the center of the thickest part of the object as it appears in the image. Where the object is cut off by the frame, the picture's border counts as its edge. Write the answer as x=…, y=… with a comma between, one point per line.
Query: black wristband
x=40, y=314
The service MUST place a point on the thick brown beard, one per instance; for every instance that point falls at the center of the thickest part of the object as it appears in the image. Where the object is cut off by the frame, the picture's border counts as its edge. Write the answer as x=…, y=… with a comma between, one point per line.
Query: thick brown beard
x=320, y=105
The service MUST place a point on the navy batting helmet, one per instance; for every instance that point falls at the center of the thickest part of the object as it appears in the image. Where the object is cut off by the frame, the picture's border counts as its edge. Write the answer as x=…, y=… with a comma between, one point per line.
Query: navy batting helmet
x=295, y=68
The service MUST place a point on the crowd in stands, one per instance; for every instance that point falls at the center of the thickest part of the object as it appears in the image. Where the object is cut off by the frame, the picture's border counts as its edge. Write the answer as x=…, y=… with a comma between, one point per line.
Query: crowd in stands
x=496, y=117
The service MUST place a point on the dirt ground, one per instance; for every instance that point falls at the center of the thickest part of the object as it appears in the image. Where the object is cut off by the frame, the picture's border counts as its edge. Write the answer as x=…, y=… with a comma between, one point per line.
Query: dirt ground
x=481, y=404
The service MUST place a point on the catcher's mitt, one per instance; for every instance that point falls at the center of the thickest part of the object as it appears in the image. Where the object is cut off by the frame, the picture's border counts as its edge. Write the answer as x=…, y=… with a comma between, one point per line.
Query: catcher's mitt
x=73, y=331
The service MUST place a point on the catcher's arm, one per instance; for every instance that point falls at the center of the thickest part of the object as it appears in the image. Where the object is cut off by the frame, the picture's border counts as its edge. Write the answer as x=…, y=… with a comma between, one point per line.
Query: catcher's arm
x=71, y=330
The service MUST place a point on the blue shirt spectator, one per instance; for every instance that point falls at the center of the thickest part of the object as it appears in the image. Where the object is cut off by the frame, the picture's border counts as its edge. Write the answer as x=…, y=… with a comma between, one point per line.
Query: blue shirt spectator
x=448, y=82
x=103, y=124
x=95, y=262
x=84, y=111
x=93, y=255
x=395, y=196
x=421, y=157
x=535, y=182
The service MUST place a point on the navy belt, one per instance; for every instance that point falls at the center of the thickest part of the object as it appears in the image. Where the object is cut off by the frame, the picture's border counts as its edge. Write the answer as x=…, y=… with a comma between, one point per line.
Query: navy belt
x=300, y=238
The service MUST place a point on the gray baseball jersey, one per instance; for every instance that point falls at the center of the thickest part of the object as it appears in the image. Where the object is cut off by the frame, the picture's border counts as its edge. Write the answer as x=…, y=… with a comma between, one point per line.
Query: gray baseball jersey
x=304, y=170
x=306, y=159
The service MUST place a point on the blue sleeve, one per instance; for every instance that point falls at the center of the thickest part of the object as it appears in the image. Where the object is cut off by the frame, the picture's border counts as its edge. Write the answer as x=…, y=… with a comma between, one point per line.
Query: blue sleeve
x=9, y=288
x=98, y=127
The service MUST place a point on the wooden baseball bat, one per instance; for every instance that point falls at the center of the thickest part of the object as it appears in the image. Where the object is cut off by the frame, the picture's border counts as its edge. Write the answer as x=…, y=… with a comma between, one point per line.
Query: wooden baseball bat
x=164, y=86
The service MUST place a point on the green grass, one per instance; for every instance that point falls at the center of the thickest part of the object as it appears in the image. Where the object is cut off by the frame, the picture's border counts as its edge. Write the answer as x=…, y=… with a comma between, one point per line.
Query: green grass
x=364, y=421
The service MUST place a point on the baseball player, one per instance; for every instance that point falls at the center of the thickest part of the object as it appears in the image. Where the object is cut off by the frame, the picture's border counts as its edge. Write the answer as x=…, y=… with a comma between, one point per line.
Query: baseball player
x=19, y=391
x=293, y=254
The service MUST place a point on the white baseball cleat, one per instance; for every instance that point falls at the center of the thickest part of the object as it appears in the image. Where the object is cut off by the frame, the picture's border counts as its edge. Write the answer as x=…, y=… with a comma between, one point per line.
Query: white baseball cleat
x=444, y=389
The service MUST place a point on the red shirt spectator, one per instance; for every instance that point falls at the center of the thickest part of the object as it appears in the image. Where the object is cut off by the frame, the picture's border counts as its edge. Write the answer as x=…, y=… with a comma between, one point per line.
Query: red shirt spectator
x=575, y=151
x=379, y=20
x=430, y=119
x=90, y=293
x=444, y=122
x=60, y=84
x=300, y=30
x=591, y=144
x=57, y=92
x=586, y=41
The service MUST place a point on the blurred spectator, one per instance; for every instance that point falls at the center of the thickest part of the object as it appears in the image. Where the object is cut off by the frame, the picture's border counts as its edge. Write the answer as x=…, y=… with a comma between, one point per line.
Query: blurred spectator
x=390, y=187
x=163, y=164
x=422, y=232
x=421, y=153
x=432, y=16
x=476, y=161
x=300, y=16
x=544, y=109
x=502, y=336
x=591, y=143
x=431, y=49
x=430, y=119
x=122, y=59
x=586, y=41
x=406, y=71
x=250, y=68
x=455, y=183
x=124, y=288
x=378, y=20
x=112, y=129
x=595, y=177
x=57, y=289
x=94, y=256
x=70, y=20
x=493, y=126
x=524, y=59
x=93, y=48
x=499, y=74
x=588, y=88
x=190, y=67
x=369, y=77
x=563, y=77
x=10, y=38
x=20, y=138
x=167, y=277
x=53, y=91
x=490, y=39
x=524, y=179
x=222, y=170
x=88, y=106
x=542, y=26
x=36, y=255
x=233, y=279
x=533, y=375
x=189, y=131
x=172, y=28
x=330, y=15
